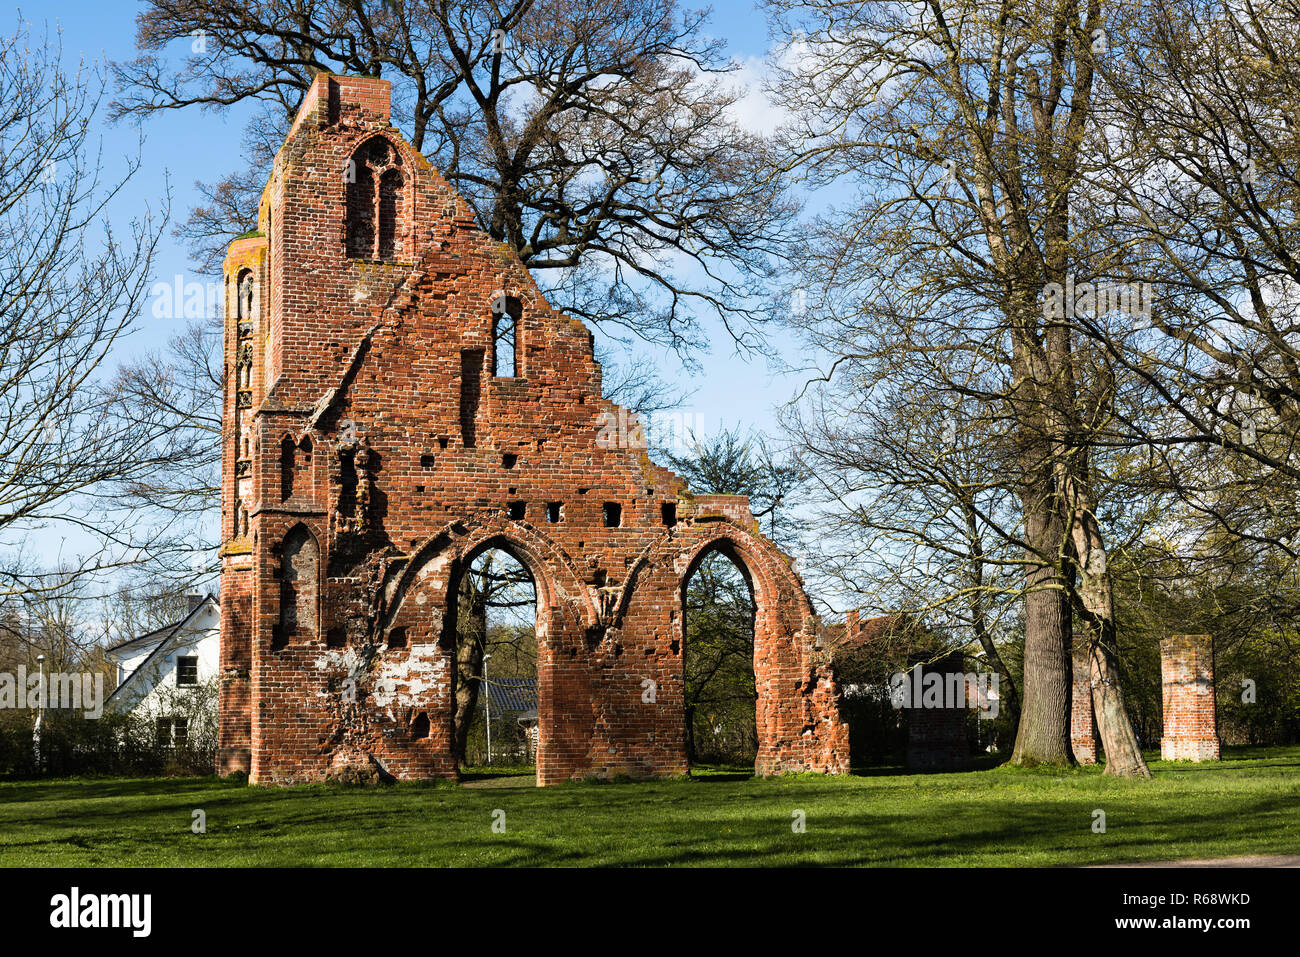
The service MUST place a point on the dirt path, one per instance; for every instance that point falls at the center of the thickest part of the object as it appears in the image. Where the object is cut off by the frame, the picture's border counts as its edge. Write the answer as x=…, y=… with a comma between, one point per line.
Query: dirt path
x=512, y=781
x=1254, y=860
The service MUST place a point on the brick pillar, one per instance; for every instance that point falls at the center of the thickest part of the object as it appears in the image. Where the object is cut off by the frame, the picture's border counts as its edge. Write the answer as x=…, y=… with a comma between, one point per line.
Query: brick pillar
x=1084, y=739
x=936, y=736
x=1191, y=730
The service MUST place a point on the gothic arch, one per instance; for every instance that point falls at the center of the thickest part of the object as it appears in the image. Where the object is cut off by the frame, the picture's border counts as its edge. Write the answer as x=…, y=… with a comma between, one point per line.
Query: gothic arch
x=423, y=595
x=559, y=588
x=377, y=203
x=793, y=687
x=683, y=548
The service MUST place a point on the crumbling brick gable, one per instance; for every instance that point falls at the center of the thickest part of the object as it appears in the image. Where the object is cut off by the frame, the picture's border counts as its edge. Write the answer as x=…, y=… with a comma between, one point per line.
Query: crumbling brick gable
x=405, y=399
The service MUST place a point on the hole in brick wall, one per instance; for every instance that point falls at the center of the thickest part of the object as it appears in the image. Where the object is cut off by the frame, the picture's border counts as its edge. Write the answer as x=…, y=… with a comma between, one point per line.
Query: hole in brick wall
x=471, y=376
x=397, y=638
x=613, y=514
x=347, y=485
x=442, y=441
x=360, y=209
x=517, y=511
x=508, y=460
x=245, y=295
x=420, y=726
x=669, y=512
x=279, y=639
x=335, y=638
x=427, y=461
x=676, y=646
x=287, y=454
x=554, y=511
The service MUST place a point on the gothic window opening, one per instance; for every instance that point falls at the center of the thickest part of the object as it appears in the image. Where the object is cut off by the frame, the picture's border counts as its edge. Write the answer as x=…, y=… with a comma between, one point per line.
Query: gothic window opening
x=506, y=311
x=375, y=184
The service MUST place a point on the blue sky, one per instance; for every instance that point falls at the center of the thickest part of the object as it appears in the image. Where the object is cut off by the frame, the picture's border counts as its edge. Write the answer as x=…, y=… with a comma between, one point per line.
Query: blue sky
x=190, y=145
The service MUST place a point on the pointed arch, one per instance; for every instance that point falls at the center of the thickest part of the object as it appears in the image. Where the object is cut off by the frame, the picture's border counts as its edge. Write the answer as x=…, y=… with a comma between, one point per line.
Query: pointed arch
x=299, y=575
x=377, y=220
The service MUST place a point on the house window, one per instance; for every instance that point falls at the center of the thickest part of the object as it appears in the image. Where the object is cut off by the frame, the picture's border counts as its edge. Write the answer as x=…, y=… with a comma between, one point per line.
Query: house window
x=172, y=732
x=187, y=671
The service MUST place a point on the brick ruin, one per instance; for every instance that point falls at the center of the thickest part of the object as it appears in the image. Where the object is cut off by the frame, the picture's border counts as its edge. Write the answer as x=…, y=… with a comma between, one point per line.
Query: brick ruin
x=1085, y=739
x=399, y=399
x=1191, y=731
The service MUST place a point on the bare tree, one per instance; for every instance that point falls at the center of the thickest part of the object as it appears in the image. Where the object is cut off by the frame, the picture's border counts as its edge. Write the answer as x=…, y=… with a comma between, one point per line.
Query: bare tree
x=171, y=400
x=913, y=514
x=595, y=137
x=70, y=288
x=966, y=126
x=1201, y=166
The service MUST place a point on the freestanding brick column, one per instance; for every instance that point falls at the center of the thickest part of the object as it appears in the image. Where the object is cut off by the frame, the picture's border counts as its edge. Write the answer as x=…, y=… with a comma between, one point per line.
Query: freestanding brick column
x=1084, y=739
x=1191, y=720
x=936, y=736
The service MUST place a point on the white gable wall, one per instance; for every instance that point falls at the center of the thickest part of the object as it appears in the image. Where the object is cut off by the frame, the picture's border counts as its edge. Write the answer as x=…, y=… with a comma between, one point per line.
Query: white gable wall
x=154, y=691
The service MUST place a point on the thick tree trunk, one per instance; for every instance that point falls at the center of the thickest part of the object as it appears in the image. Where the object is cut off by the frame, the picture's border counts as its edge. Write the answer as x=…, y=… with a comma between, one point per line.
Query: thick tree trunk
x=1043, y=736
x=1096, y=596
x=471, y=641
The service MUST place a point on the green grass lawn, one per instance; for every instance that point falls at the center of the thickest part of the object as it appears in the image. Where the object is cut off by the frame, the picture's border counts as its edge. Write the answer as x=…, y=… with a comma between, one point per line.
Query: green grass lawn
x=1248, y=804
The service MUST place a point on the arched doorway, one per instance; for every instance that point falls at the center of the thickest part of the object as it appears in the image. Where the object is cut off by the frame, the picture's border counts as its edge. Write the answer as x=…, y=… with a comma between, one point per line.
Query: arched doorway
x=719, y=687
x=493, y=637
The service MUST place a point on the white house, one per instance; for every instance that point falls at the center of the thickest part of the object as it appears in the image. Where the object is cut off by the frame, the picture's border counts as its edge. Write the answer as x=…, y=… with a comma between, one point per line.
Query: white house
x=169, y=676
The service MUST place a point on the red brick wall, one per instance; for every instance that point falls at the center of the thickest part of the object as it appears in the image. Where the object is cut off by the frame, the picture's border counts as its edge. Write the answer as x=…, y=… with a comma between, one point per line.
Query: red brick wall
x=383, y=368
x=1085, y=740
x=1191, y=727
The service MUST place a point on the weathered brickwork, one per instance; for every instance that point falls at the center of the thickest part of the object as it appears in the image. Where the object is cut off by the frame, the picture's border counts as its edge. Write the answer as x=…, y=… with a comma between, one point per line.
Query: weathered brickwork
x=1191, y=731
x=1085, y=739
x=401, y=398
